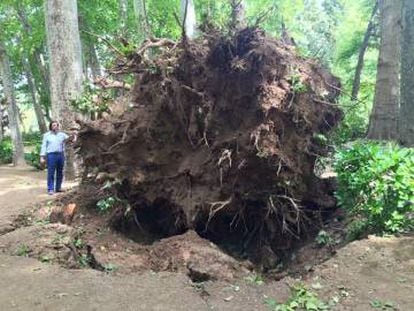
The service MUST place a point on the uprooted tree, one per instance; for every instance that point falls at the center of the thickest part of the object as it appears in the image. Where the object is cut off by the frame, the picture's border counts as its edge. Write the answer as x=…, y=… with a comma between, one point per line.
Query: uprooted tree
x=222, y=138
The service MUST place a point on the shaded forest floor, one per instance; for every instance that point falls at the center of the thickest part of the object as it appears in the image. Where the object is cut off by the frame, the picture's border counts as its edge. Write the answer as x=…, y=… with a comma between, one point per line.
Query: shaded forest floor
x=39, y=271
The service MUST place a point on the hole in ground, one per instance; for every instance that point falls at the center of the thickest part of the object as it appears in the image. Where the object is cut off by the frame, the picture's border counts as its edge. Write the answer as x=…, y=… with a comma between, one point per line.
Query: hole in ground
x=146, y=223
x=250, y=233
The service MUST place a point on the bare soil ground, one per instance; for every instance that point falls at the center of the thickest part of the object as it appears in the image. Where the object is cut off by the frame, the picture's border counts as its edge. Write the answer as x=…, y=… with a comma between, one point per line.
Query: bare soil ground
x=39, y=271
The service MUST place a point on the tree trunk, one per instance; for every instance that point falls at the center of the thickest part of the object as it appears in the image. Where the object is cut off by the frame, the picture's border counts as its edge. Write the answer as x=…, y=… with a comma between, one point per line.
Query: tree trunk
x=37, y=52
x=123, y=16
x=189, y=18
x=1, y=122
x=94, y=61
x=141, y=16
x=37, y=65
x=362, y=50
x=406, y=118
x=383, y=123
x=65, y=65
x=37, y=108
x=13, y=114
x=91, y=64
x=238, y=20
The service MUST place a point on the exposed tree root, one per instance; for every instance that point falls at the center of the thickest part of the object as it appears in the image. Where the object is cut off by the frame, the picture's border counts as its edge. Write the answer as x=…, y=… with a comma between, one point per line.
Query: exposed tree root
x=221, y=139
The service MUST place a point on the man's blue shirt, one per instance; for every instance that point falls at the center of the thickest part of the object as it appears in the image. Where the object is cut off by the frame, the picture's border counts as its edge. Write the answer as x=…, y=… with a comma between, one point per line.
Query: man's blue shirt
x=53, y=142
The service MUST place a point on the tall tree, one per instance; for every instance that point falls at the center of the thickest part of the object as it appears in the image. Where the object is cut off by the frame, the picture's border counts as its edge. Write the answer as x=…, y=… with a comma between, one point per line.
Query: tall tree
x=406, y=117
x=360, y=64
x=237, y=14
x=1, y=120
x=65, y=64
x=37, y=108
x=123, y=16
x=189, y=18
x=12, y=111
x=36, y=64
x=383, y=123
x=140, y=10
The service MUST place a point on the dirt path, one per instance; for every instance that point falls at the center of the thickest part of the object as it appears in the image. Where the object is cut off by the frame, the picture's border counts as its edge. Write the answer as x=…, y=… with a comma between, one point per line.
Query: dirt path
x=18, y=189
x=27, y=284
x=373, y=274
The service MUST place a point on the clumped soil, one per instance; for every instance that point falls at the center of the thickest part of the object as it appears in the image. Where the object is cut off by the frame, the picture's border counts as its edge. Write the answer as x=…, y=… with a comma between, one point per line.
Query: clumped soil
x=221, y=140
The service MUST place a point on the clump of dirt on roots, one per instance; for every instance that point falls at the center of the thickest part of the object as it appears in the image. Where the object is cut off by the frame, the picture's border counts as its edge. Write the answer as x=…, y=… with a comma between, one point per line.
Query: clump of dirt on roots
x=222, y=139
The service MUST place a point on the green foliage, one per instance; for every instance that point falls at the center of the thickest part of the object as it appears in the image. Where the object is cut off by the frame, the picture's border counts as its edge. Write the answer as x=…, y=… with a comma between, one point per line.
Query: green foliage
x=109, y=267
x=355, y=122
x=6, y=151
x=22, y=250
x=33, y=157
x=92, y=100
x=106, y=204
x=301, y=299
x=297, y=85
x=83, y=260
x=376, y=187
x=324, y=239
x=31, y=138
x=378, y=304
x=255, y=279
x=79, y=243
x=45, y=258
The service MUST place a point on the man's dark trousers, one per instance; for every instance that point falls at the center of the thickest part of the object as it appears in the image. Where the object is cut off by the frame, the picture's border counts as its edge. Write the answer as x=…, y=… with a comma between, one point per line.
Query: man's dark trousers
x=55, y=164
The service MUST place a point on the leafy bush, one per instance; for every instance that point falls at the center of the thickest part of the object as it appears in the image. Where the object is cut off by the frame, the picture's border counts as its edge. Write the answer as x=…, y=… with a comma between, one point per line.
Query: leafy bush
x=33, y=141
x=355, y=122
x=301, y=299
x=6, y=151
x=32, y=138
x=106, y=204
x=376, y=186
x=34, y=156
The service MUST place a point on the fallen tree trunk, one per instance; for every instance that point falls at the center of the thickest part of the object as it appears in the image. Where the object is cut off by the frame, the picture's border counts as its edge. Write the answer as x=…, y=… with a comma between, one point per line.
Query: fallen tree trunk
x=222, y=139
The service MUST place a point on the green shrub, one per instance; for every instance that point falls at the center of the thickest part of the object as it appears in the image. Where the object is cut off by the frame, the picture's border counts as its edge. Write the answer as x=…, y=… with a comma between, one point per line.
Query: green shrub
x=301, y=298
x=32, y=138
x=6, y=151
x=354, y=124
x=34, y=156
x=33, y=142
x=106, y=204
x=376, y=186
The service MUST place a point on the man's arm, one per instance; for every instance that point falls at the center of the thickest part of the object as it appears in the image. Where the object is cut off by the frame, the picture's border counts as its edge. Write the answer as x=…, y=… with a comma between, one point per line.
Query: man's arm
x=71, y=137
x=43, y=149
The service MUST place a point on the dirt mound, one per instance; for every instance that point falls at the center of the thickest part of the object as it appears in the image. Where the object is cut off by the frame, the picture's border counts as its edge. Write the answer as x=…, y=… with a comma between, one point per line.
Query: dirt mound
x=223, y=139
x=201, y=260
x=47, y=243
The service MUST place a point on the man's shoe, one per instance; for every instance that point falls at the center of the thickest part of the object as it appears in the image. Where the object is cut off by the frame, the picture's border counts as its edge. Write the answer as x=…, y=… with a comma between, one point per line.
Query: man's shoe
x=50, y=192
x=60, y=190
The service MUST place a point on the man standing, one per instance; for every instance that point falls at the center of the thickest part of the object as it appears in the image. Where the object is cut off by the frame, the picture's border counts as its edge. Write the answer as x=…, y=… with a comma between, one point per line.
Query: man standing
x=52, y=151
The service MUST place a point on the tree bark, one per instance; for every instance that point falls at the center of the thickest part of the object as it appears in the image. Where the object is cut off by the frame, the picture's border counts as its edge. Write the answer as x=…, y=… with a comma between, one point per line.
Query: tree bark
x=357, y=77
x=65, y=65
x=1, y=122
x=13, y=114
x=141, y=16
x=383, y=123
x=37, y=65
x=238, y=20
x=123, y=16
x=406, y=118
x=189, y=18
x=37, y=108
x=37, y=52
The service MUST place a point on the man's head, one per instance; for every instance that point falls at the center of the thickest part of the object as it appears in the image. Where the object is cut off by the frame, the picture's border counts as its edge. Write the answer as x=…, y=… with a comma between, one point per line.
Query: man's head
x=54, y=126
